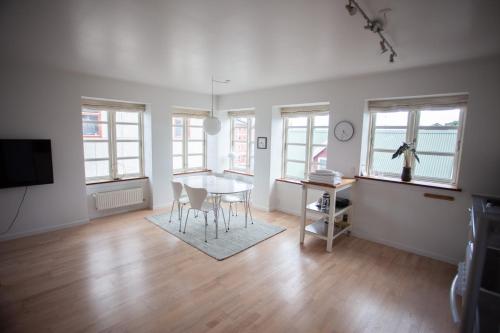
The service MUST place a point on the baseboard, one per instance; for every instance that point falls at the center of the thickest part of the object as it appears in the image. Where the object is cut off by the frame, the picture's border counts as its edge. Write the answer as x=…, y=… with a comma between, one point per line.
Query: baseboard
x=288, y=211
x=404, y=247
x=263, y=208
x=43, y=230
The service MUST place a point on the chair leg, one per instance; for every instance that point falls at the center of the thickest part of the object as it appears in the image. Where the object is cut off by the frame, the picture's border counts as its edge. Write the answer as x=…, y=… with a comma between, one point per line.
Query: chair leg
x=170, y=219
x=236, y=205
x=206, y=226
x=185, y=223
x=223, y=217
x=180, y=217
x=229, y=215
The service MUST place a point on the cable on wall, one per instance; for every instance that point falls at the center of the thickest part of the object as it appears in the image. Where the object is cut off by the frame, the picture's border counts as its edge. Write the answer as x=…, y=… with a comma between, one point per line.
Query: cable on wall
x=17, y=213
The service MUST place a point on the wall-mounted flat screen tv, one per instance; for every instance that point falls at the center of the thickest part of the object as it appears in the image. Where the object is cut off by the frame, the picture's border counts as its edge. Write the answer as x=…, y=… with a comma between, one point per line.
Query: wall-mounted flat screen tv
x=25, y=162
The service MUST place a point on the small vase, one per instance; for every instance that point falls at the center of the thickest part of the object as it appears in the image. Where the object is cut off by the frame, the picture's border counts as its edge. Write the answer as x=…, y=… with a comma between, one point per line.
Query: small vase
x=406, y=174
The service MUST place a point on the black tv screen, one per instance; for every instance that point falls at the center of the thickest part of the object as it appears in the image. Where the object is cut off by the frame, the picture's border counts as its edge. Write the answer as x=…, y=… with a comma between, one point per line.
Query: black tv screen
x=25, y=162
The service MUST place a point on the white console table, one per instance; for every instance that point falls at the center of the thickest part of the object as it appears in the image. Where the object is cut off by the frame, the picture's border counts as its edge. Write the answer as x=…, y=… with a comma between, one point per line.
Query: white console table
x=319, y=228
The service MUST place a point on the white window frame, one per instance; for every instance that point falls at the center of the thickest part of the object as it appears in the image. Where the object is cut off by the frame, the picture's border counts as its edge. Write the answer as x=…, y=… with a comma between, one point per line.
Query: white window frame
x=249, y=142
x=185, y=142
x=412, y=128
x=309, y=142
x=112, y=145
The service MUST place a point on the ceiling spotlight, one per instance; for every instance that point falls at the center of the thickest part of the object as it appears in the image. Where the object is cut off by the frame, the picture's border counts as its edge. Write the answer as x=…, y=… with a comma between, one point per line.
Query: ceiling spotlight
x=352, y=10
x=383, y=48
x=391, y=57
x=369, y=25
x=377, y=26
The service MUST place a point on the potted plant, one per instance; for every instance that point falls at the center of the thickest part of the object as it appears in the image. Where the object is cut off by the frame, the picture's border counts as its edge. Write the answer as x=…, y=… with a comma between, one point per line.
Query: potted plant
x=408, y=149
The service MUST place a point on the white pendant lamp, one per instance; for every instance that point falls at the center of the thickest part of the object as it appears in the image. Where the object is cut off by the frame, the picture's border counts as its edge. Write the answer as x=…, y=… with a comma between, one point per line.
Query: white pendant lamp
x=211, y=124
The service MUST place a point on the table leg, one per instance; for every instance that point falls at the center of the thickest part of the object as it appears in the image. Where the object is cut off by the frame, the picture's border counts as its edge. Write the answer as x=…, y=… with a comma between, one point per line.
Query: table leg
x=246, y=208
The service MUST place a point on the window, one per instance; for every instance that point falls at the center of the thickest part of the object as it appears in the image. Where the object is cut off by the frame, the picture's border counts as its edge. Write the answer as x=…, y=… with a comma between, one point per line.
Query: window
x=242, y=141
x=305, y=141
x=112, y=140
x=188, y=141
x=434, y=124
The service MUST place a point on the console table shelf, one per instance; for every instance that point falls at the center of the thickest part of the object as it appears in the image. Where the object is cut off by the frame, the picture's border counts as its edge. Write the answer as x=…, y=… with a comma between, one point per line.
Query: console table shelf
x=320, y=228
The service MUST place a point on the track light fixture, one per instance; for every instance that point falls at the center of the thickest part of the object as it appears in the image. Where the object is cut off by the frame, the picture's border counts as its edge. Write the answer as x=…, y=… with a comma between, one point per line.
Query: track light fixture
x=351, y=9
x=383, y=48
x=374, y=25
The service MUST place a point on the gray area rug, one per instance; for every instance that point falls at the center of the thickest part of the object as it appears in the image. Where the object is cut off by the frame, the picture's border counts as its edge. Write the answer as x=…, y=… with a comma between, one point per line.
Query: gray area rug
x=237, y=239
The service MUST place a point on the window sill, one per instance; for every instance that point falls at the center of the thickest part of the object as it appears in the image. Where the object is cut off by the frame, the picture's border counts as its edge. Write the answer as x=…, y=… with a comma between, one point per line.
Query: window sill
x=191, y=172
x=239, y=172
x=115, y=181
x=412, y=183
x=289, y=181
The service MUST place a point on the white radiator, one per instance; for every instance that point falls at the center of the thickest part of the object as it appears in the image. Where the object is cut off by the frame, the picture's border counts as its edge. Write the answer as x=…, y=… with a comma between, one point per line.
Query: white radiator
x=121, y=198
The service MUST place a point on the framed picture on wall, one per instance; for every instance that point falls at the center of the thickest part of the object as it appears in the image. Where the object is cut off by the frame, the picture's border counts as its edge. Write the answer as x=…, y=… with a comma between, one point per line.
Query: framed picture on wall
x=262, y=142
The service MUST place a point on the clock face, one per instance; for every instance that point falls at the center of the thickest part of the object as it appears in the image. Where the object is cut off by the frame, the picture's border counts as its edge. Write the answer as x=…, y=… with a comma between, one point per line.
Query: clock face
x=344, y=131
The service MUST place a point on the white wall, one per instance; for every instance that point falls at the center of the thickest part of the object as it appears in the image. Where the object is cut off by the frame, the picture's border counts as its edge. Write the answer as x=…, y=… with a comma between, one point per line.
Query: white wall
x=38, y=102
x=395, y=214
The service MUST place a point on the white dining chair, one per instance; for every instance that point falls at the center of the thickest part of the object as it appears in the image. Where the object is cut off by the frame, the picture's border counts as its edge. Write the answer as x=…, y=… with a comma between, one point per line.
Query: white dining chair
x=180, y=199
x=235, y=199
x=198, y=202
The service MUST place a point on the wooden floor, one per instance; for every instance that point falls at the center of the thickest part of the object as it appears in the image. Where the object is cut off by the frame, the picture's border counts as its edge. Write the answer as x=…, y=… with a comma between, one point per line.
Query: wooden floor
x=124, y=274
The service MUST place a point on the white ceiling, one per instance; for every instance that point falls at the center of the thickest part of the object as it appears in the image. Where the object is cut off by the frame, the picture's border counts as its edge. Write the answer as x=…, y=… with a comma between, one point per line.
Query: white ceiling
x=256, y=44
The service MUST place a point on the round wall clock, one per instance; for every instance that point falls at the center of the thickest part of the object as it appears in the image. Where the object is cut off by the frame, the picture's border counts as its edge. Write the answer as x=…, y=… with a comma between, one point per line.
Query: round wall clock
x=344, y=130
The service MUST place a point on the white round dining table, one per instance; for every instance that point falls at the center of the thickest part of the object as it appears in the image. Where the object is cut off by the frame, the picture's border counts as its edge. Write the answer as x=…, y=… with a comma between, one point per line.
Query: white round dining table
x=218, y=186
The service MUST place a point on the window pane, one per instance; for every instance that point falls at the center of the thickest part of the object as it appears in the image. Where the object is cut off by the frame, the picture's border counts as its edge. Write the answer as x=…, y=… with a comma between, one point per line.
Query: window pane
x=94, y=169
x=434, y=166
x=437, y=140
x=177, y=133
x=95, y=150
x=389, y=138
x=94, y=116
x=127, y=132
x=320, y=136
x=297, y=121
x=195, y=161
x=297, y=135
x=177, y=148
x=296, y=153
x=128, y=166
x=127, y=149
x=240, y=133
x=195, y=121
x=440, y=118
x=321, y=120
x=177, y=162
x=384, y=164
x=195, y=147
x=252, y=163
x=295, y=169
x=195, y=133
x=318, y=158
x=127, y=117
x=95, y=131
x=177, y=121
x=240, y=122
x=240, y=161
x=240, y=148
x=392, y=118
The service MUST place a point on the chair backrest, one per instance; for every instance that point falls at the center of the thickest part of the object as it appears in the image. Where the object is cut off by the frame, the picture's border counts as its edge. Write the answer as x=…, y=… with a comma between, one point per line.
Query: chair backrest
x=196, y=196
x=177, y=189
